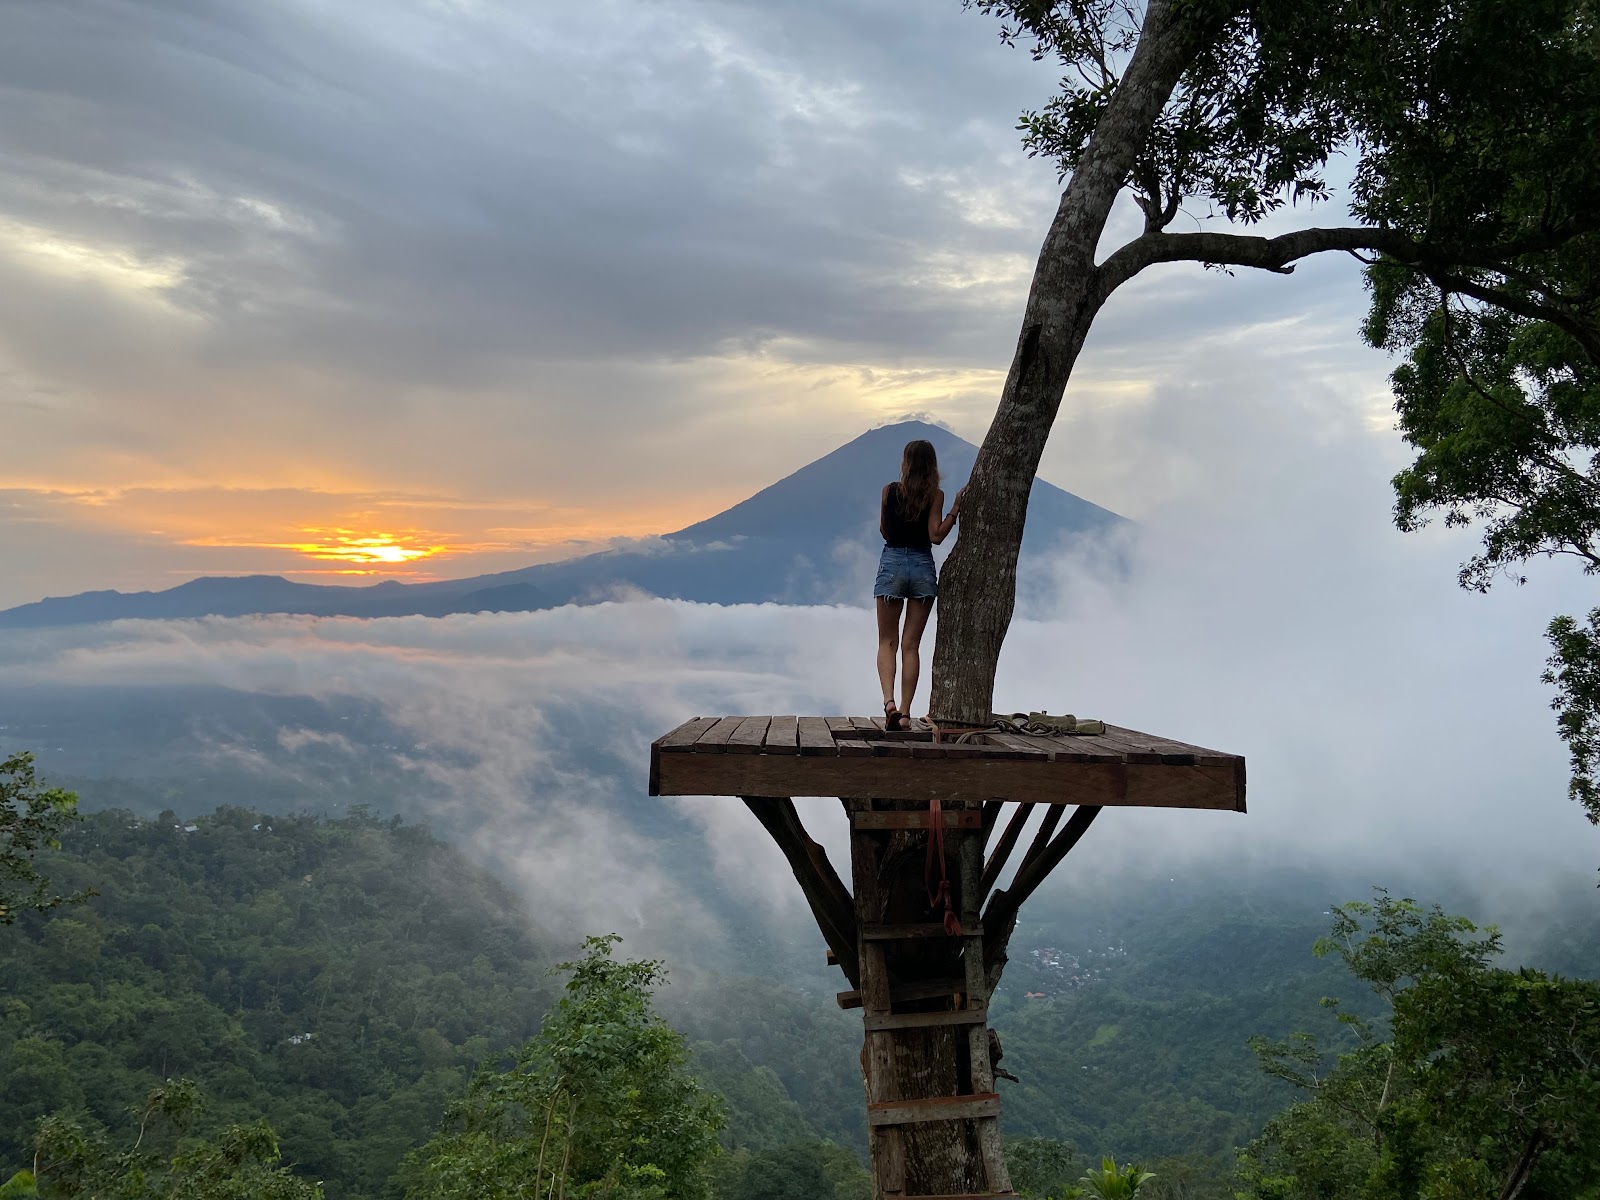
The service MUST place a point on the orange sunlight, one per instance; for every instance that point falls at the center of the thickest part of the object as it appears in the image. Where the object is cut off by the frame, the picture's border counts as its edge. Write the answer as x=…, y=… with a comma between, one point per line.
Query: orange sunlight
x=379, y=549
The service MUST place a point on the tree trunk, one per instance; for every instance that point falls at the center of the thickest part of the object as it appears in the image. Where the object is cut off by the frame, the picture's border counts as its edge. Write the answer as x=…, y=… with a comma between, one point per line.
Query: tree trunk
x=1523, y=1167
x=977, y=593
x=935, y=1159
x=977, y=597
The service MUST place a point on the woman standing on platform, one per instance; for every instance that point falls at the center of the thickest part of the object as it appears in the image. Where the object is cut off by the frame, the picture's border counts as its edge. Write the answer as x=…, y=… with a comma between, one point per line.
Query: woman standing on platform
x=912, y=520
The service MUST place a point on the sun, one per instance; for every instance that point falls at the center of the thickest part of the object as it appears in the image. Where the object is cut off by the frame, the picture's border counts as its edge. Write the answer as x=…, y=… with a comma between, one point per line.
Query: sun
x=370, y=550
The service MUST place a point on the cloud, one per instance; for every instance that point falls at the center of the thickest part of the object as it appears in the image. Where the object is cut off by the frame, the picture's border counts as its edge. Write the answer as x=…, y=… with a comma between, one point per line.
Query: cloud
x=1390, y=720
x=619, y=263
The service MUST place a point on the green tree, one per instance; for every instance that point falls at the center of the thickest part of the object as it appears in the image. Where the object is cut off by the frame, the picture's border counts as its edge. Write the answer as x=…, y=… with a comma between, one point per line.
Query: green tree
x=787, y=1173
x=73, y=1159
x=1499, y=390
x=1041, y=1167
x=31, y=820
x=1481, y=1084
x=1470, y=128
x=600, y=1104
x=1111, y=1182
x=348, y=1009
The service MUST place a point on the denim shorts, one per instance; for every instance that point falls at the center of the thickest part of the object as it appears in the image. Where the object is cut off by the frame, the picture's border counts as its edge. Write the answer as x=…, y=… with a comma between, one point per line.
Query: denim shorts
x=906, y=574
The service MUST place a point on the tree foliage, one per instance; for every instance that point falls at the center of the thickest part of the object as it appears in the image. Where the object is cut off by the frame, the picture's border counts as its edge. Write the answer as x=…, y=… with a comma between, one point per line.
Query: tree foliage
x=31, y=820
x=73, y=1158
x=600, y=1104
x=1482, y=1082
x=1108, y=1181
x=1499, y=387
x=339, y=978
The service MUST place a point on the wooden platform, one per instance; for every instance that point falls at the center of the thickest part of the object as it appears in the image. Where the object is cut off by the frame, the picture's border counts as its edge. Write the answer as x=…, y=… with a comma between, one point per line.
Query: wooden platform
x=855, y=756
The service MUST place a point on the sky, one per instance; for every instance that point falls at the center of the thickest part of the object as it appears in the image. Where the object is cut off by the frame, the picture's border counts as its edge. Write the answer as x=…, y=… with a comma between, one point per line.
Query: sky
x=424, y=288
x=287, y=283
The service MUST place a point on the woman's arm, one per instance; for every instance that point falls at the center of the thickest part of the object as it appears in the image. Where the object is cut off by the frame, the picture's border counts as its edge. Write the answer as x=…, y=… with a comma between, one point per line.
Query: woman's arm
x=883, y=507
x=939, y=527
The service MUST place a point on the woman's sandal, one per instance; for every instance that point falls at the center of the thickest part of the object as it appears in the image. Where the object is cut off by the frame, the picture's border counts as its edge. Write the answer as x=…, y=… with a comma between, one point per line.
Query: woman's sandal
x=892, y=717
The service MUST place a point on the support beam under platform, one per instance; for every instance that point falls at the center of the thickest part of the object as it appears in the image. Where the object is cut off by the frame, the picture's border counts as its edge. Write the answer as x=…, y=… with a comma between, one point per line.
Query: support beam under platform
x=854, y=756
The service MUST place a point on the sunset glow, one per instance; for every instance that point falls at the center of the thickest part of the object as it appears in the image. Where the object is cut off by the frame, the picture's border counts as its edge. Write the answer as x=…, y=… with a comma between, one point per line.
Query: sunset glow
x=379, y=549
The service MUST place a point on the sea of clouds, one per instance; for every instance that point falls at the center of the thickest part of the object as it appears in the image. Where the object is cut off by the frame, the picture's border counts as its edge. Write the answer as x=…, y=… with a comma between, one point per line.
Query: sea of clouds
x=1269, y=609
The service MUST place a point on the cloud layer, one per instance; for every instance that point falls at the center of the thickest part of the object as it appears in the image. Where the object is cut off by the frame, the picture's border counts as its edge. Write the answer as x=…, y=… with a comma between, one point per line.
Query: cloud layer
x=1389, y=719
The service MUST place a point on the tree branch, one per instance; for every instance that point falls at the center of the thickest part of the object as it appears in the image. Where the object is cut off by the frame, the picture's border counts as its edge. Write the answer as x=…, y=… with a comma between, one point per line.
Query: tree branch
x=831, y=904
x=1003, y=848
x=1000, y=918
x=1440, y=263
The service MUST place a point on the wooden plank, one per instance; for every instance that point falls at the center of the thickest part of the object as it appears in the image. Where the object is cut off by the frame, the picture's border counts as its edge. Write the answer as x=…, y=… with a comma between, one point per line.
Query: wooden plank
x=715, y=739
x=987, y=747
x=945, y=750
x=1041, y=837
x=676, y=741
x=1036, y=749
x=839, y=724
x=1139, y=751
x=914, y=929
x=748, y=737
x=961, y=818
x=815, y=737
x=783, y=736
x=927, y=1020
x=683, y=738
x=1202, y=756
x=935, y=1108
x=1070, y=748
x=901, y=993
x=853, y=748
x=1003, y=848
x=856, y=772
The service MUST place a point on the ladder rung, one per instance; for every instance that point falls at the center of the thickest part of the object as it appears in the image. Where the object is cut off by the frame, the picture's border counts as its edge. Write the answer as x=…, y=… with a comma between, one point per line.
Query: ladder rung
x=930, y=989
x=916, y=929
x=878, y=1022
x=955, y=819
x=935, y=1108
x=833, y=959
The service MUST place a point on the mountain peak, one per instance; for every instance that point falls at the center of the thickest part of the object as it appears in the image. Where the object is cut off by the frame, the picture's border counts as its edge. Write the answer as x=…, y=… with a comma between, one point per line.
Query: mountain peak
x=802, y=540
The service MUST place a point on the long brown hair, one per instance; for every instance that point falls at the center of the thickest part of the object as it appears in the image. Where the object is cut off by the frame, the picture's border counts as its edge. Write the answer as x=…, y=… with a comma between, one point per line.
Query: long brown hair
x=919, y=478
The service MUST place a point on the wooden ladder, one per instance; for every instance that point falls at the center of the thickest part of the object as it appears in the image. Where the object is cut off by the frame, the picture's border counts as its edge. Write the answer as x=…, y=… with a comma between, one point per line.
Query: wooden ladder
x=888, y=1114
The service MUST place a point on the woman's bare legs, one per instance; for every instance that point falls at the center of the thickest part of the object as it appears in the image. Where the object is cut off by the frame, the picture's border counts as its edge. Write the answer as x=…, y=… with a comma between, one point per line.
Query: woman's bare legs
x=917, y=613
x=888, y=643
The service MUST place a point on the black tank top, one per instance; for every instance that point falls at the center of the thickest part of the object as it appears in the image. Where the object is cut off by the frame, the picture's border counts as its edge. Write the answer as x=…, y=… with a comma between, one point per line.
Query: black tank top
x=900, y=533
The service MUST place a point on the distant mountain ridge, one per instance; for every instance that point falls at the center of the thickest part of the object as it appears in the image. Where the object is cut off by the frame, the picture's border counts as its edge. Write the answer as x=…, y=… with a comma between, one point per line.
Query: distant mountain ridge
x=808, y=538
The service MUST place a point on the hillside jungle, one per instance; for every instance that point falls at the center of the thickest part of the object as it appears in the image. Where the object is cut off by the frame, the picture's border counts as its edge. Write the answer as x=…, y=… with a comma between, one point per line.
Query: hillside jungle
x=250, y=1004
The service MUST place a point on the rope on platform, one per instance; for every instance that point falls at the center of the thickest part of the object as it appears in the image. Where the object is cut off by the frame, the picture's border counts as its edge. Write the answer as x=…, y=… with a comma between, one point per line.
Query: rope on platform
x=1036, y=724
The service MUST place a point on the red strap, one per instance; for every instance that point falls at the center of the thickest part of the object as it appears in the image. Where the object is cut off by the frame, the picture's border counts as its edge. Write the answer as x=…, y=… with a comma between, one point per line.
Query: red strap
x=952, y=923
